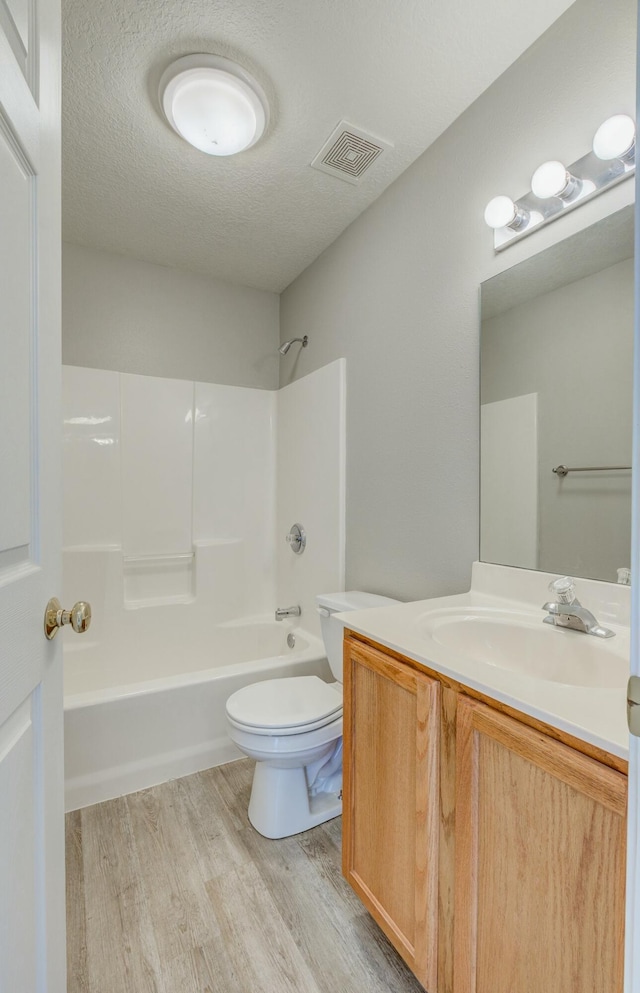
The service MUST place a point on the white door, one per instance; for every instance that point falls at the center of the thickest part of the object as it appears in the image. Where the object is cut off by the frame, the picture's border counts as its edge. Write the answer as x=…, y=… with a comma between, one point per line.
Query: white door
x=632, y=927
x=32, y=952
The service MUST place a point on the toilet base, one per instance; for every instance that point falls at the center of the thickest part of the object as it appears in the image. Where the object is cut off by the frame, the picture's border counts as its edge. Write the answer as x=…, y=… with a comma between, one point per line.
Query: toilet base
x=280, y=804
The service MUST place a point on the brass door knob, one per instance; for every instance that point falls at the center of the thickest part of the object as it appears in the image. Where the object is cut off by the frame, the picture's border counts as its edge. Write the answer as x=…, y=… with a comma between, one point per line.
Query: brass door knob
x=79, y=617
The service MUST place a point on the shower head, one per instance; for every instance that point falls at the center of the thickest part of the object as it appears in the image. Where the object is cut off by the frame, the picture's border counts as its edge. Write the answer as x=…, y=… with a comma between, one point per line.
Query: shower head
x=284, y=348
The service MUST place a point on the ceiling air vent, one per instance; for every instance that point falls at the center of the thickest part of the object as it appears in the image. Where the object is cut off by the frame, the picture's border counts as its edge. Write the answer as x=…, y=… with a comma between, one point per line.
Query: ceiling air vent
x=348, y=153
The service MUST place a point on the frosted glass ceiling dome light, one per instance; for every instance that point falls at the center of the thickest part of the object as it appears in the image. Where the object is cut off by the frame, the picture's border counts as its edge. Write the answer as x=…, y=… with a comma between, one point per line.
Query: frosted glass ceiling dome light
x=616, y=138
x=214, y=104
x=502, y=212
x=553, y=179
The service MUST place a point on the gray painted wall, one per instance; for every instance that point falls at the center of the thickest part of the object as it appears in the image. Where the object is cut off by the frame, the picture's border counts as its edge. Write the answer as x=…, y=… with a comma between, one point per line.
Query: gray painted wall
x=397, y=294
x=574, y=348
x=130, y=316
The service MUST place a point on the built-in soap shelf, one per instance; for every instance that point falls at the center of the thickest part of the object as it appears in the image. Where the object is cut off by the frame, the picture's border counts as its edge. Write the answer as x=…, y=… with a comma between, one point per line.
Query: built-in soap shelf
x=217, y=542
x=155, y=580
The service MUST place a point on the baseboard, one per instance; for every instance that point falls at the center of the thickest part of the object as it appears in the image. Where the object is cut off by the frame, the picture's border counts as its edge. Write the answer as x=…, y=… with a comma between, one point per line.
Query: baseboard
x=83, y=791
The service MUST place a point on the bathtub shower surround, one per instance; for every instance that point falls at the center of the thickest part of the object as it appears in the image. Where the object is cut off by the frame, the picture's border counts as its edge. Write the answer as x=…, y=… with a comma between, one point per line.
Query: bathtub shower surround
x=171, y=532
x=180, y=477
x=310, y=474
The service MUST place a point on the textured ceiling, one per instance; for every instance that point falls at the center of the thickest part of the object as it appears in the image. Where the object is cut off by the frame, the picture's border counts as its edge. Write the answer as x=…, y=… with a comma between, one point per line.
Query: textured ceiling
x=402, y=70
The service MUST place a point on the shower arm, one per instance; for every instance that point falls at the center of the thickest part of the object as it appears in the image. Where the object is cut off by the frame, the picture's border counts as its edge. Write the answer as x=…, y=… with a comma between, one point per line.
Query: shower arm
x=284, y=348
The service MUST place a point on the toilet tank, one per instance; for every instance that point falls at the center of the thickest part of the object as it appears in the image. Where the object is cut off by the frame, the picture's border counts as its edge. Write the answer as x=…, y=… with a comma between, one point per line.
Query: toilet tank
x=328, y=604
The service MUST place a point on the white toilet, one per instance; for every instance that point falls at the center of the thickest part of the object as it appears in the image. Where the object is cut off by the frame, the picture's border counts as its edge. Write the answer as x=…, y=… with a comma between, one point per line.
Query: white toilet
x=292, y=727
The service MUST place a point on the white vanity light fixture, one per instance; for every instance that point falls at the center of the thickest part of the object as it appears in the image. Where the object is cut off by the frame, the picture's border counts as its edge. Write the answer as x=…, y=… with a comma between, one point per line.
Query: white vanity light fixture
x=556, y=188
x=214, y=104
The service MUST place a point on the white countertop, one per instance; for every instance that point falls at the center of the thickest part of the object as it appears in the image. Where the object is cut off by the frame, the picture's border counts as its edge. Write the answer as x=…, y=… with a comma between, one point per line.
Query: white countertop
x=595, y=715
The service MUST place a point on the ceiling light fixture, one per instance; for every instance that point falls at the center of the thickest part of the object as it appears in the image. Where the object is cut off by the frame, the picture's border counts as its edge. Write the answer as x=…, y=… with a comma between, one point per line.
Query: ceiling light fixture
x=214, y=104
x=556, y=188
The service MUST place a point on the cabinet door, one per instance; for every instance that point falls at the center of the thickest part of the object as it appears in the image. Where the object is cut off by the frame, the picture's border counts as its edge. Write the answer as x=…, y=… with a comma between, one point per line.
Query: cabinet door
x=540, y=862
x=390, y=808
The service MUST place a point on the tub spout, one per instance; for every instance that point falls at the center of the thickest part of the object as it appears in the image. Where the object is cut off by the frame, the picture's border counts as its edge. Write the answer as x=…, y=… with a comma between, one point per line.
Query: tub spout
x=283, y=612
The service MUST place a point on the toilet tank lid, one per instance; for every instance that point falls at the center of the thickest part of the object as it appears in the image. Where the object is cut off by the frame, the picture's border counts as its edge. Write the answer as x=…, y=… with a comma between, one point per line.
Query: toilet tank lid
x=352, y=600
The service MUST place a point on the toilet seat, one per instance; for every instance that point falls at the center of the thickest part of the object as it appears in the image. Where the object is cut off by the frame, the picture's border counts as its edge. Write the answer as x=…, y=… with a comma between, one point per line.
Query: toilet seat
x=289, y=706
x=280, y=747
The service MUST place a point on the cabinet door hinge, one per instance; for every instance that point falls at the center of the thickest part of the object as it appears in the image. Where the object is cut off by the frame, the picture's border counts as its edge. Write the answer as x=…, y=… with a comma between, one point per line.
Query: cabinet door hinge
x=633, y=705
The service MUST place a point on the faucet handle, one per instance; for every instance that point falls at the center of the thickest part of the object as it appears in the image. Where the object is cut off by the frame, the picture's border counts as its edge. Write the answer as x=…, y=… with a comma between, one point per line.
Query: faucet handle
x=563, y=589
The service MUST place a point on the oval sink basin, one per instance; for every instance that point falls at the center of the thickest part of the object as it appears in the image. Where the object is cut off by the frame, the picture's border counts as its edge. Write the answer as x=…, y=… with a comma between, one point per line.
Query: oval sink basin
x=521, y=643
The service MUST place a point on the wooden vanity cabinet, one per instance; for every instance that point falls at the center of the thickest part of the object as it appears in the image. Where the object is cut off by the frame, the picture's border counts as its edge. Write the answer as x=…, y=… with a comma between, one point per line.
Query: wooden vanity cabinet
x=391, y=810
x=491, y=853
x=540, y=862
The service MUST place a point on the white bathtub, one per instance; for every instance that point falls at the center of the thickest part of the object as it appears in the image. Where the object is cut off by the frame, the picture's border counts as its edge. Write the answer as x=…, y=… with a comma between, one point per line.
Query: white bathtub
x=147, y=703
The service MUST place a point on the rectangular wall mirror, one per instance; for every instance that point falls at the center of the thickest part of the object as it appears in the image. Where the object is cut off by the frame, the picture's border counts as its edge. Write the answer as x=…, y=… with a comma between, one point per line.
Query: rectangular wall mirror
x=556, y=361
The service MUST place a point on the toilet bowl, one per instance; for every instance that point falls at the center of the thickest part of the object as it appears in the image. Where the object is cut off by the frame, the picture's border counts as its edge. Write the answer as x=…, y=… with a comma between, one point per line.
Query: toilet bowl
x=292, y=728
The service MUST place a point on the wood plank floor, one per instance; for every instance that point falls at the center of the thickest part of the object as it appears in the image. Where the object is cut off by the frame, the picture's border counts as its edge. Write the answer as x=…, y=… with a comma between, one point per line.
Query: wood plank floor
x=170, y=890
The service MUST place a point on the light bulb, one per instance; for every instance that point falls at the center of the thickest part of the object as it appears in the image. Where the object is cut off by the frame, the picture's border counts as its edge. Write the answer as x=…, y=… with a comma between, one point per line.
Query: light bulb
x=616, y=138
x=213, y=113
x=499, y=212
x=502, y=212
x=552, y=179
x=213, y=104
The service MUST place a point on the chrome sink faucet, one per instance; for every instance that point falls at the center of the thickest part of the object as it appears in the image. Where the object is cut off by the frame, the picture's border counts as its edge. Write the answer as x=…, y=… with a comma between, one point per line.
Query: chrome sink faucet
x=566, y=611
x=283, y=612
